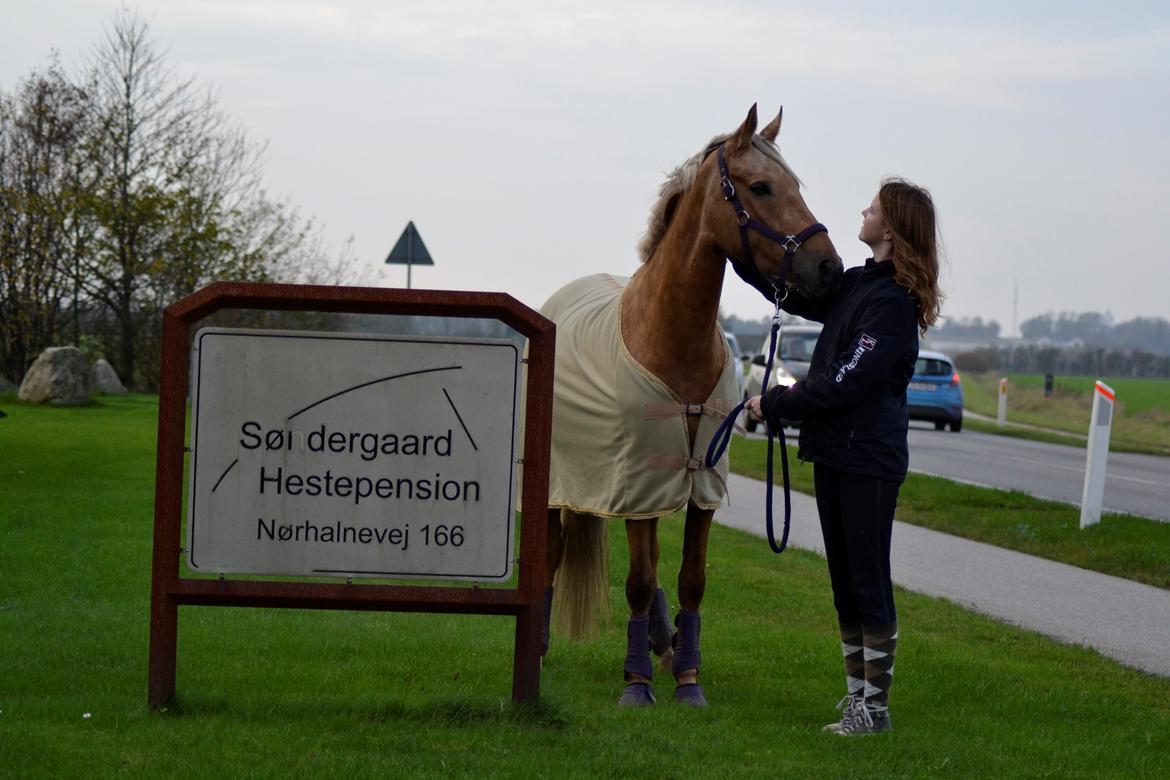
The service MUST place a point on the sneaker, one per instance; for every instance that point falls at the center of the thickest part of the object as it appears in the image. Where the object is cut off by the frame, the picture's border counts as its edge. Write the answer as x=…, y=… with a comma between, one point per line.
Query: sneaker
x=847, y=705
x=859, y=717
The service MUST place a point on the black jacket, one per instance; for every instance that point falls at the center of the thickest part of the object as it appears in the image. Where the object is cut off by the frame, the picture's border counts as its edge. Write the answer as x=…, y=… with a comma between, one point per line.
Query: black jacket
x=852, y=404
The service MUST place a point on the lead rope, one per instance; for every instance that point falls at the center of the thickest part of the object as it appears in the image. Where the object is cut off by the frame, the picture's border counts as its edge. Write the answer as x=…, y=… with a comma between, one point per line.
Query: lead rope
x=722, y=437
x=790, y=244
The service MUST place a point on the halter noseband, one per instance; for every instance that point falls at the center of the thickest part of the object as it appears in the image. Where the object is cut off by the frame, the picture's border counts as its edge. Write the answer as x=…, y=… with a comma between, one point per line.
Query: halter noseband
x=790, y=244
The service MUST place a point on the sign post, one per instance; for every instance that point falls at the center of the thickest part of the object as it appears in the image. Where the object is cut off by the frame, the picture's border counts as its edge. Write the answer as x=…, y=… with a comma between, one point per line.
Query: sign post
x=1100, y=424
x=293, y=460
x=1001, y=414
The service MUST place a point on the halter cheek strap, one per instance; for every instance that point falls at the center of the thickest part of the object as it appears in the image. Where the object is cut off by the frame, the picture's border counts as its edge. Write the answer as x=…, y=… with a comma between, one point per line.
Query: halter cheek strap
x=746, y=222
x=722, y=437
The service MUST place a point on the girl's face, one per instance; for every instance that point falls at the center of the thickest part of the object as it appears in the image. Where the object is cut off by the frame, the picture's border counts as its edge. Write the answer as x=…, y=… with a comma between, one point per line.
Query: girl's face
x=873, y=225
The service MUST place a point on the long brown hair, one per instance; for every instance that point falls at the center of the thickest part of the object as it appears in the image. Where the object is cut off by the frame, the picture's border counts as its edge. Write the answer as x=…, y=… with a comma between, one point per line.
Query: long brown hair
x=908, y=212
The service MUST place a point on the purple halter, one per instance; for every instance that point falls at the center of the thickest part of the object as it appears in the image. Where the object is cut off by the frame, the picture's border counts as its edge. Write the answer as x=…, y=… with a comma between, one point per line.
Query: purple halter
x=745, y=221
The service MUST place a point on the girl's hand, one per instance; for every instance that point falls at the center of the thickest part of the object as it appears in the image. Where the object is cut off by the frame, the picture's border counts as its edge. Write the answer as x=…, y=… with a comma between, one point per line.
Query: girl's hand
x=754, y=409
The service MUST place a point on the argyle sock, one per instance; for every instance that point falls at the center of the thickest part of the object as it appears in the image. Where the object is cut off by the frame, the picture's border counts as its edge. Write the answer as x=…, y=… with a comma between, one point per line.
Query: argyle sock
x=879, y=643
x=853, y=651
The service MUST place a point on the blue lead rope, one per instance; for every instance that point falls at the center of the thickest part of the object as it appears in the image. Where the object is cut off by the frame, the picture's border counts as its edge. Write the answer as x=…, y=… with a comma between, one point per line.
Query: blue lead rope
x=722, y=437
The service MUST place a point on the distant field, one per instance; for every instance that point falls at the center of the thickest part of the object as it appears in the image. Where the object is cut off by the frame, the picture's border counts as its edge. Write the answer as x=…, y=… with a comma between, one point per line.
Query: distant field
x=1134, y=395
x=1142, y=423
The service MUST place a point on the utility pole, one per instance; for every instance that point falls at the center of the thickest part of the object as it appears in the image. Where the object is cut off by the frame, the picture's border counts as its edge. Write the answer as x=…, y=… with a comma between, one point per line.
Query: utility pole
x=1016, y=307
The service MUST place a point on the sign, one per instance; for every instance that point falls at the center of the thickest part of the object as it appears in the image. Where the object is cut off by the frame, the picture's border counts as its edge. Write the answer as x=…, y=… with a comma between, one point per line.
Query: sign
x=410, y=251
x=352, y=455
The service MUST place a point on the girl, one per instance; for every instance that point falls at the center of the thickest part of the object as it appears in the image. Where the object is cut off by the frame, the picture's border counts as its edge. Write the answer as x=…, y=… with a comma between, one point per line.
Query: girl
x=852, y=408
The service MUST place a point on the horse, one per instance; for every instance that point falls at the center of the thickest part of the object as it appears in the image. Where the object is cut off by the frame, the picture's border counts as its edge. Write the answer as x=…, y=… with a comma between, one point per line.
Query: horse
x=642, y=378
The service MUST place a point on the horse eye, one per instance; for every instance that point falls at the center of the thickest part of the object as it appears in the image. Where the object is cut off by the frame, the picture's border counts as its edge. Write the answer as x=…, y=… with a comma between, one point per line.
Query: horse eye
x=761, y=188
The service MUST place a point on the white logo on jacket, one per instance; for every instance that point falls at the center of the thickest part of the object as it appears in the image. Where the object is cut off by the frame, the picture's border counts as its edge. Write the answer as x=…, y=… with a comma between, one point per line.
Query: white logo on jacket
x=864, y=344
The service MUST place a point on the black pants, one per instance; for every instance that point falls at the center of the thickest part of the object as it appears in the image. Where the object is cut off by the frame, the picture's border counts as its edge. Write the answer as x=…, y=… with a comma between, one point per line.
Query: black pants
x=857, y=518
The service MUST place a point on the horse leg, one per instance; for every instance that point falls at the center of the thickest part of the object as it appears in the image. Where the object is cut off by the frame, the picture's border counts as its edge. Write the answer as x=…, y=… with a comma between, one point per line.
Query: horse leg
x=661, y=629
x=552, y=562
x=692, y=582
x=641, y=582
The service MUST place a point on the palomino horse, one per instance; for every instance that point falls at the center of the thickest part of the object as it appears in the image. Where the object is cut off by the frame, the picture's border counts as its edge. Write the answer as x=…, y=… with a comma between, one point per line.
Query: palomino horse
x=643, y=377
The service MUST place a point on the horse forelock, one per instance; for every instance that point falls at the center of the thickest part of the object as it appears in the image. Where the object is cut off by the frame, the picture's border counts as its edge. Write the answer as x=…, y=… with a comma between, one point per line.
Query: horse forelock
x=682, y=178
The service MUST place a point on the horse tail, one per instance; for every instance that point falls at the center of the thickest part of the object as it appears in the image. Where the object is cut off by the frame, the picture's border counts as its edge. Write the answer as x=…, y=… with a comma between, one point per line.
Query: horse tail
x=581, y=587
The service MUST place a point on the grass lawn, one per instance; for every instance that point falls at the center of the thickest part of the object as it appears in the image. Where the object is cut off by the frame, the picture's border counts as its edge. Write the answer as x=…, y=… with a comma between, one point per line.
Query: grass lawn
x=1142, y=423
x=289, y=692
x=1123, y=545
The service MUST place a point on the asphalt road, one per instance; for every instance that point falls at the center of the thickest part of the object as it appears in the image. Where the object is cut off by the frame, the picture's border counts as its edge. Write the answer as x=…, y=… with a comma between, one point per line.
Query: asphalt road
x=1135, y=484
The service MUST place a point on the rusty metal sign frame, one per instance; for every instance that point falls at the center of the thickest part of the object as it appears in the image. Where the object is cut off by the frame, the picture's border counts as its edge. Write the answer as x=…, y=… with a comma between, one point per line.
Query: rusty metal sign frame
x=169, y=590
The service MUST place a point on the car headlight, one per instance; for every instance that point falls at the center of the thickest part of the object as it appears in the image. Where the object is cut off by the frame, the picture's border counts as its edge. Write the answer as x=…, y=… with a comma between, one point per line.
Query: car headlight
x=782, y=377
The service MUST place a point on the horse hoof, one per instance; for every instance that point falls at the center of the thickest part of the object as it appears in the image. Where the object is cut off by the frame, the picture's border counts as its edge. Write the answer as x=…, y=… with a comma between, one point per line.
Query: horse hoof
x=636, y=694
x=692, y=694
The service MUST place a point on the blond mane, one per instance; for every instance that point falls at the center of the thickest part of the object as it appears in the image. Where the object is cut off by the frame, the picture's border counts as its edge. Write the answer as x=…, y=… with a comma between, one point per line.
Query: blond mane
x=680, y=181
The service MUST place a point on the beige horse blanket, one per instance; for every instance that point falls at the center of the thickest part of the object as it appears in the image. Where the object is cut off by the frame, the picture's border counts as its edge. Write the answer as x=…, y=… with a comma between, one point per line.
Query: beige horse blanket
x=619, y=435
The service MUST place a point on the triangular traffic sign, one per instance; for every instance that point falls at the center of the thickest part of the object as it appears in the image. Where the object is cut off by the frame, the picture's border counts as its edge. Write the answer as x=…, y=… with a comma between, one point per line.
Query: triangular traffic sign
x=410, y=249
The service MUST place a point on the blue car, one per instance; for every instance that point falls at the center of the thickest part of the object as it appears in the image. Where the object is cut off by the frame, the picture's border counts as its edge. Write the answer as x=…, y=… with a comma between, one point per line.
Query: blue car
x=935, y=393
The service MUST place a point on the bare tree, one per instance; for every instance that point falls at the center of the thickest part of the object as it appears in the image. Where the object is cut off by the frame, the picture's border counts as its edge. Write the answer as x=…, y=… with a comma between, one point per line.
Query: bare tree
x=125, y=193
x=168, y=171
x=41, y=130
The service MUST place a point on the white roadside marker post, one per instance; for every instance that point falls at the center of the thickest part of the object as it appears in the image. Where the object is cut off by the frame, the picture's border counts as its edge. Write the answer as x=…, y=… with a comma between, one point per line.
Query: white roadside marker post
x=1001, y=416
x=1098, y=454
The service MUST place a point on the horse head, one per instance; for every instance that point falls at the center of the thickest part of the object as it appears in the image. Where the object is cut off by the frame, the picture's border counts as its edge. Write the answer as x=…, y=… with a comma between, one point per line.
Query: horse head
x=766, y=215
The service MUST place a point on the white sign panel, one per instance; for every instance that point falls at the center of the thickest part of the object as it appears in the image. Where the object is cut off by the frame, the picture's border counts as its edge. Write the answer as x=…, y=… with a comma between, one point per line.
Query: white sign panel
x=352, y=454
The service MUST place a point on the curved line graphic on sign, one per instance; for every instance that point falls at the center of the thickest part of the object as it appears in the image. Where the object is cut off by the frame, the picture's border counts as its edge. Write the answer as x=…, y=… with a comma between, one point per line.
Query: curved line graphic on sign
x=225, y=473
x=460, y=418
x=372, y=382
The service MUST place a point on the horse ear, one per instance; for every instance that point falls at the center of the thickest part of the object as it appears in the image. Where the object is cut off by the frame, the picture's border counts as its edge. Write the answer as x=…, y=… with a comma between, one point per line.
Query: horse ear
x=742, y=137
x=772, y=129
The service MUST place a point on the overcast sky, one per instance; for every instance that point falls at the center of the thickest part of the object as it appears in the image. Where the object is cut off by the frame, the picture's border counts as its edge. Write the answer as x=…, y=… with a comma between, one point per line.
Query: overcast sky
x=527, y=140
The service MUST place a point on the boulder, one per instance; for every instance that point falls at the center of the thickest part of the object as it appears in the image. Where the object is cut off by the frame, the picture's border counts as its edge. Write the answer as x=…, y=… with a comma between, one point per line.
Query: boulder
x=59, y=376
x=104, y=379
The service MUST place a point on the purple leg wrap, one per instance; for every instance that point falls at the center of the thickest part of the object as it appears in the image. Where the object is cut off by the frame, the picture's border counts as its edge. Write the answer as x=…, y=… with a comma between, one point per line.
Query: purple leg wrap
x=661, y=632
x=548, y=598
x=686, y=642
x=686, y=656
x=638, y=648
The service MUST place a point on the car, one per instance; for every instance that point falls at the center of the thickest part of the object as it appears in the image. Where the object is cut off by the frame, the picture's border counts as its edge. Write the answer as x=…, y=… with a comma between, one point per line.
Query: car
x=733, y=348
x=793, y=354
x=732, y=344
x=935, y=393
